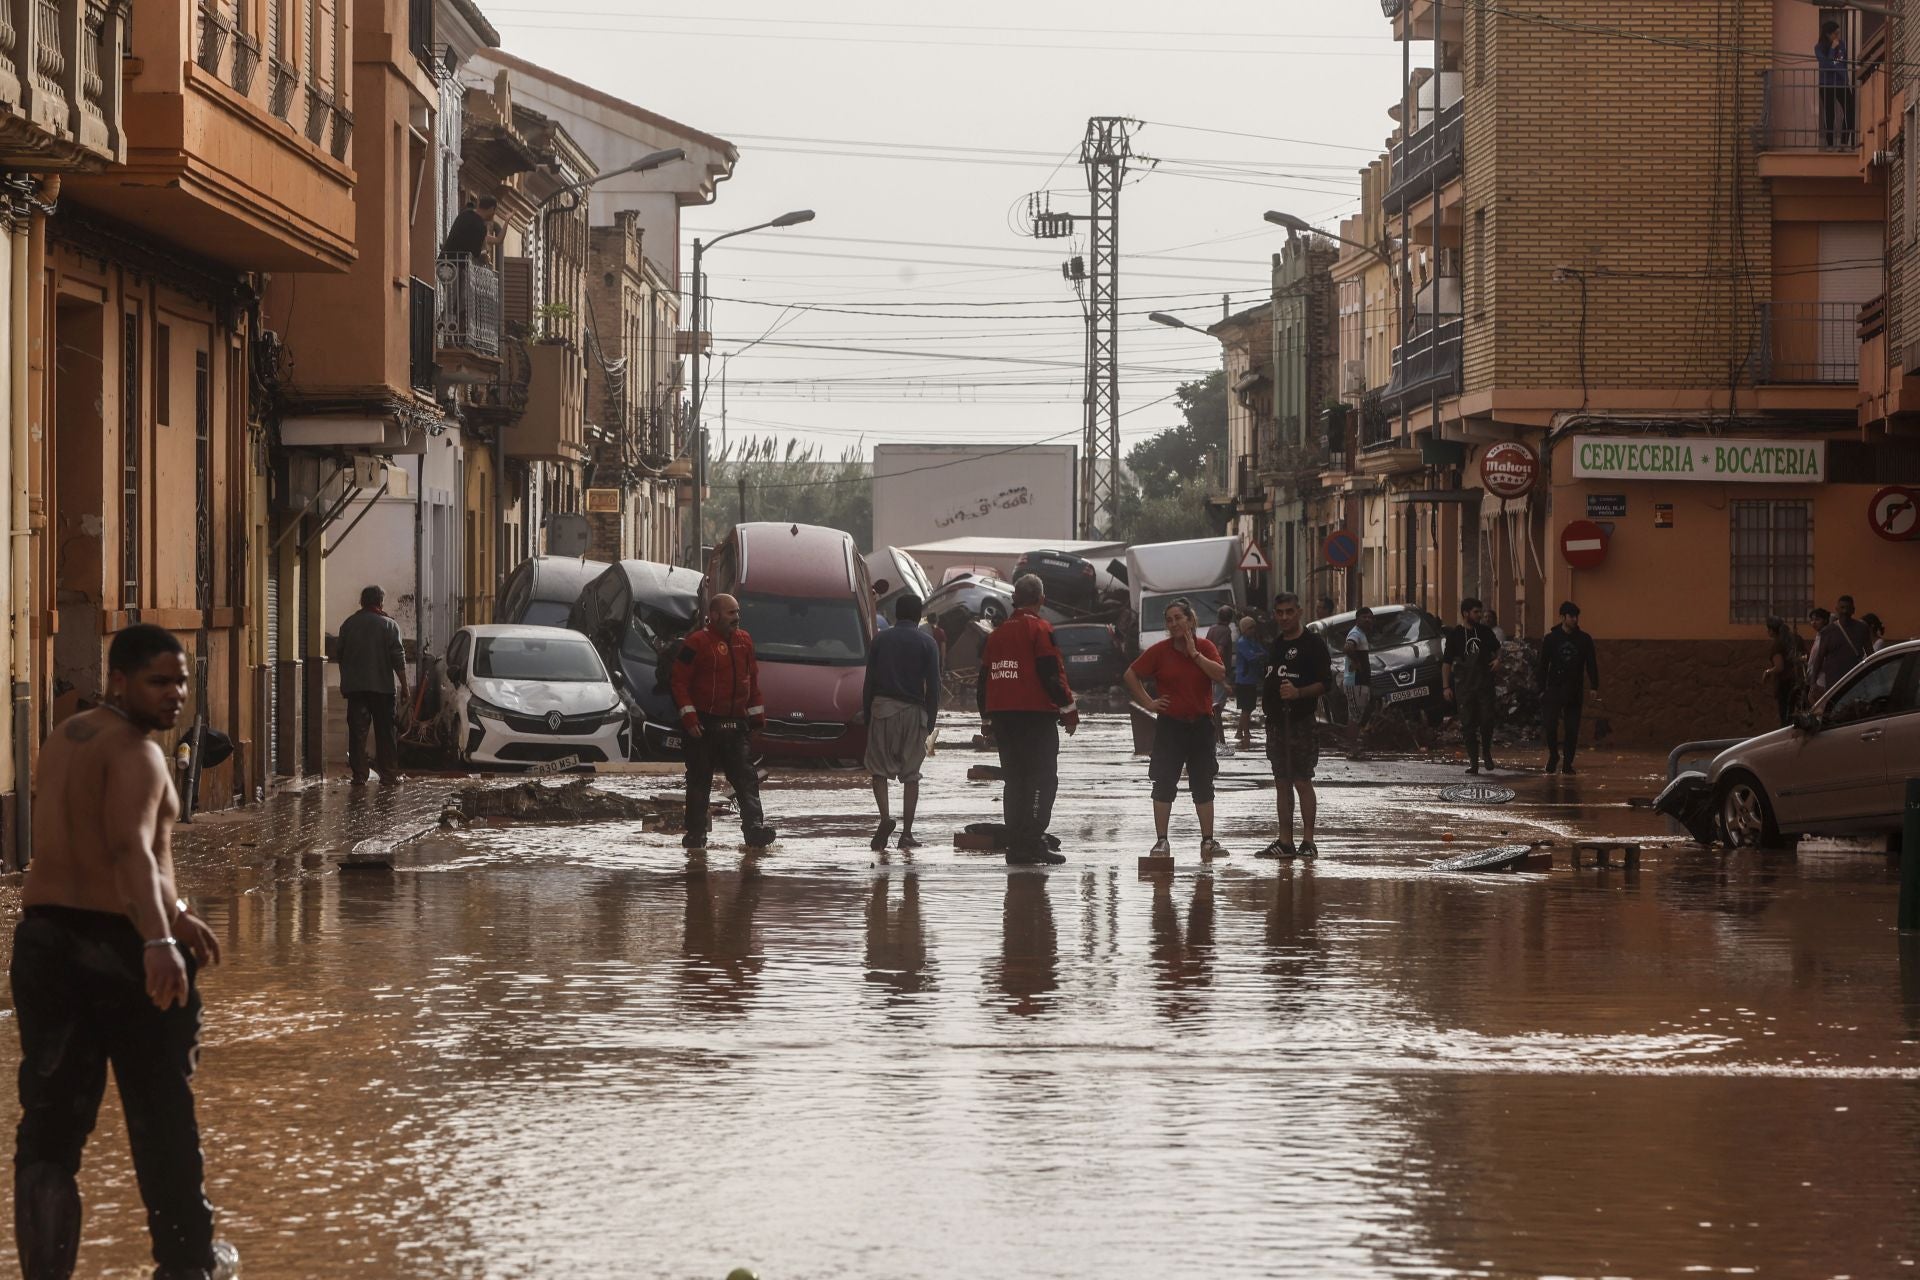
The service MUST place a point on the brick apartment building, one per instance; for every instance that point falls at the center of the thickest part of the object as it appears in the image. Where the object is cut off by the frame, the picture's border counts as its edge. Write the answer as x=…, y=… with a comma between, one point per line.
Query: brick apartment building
x=1600, y=237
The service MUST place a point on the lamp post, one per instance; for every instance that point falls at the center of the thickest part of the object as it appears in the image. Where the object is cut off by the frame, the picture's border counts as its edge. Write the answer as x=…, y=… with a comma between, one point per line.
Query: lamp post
x=700, y=248
x=652, y=160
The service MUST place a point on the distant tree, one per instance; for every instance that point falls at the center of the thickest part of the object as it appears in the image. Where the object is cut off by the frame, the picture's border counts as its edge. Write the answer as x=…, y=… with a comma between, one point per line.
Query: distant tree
x=1165, y=462
x=788, y=481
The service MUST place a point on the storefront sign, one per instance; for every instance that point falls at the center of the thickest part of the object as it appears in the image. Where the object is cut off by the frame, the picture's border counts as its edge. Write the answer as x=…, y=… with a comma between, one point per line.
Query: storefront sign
x=1509, y=469
x=1606, y=506
x=1663, y=515
x=1746, y=460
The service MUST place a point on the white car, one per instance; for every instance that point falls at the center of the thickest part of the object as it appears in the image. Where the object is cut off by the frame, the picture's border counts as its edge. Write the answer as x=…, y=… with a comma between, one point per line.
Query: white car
x=531, y=695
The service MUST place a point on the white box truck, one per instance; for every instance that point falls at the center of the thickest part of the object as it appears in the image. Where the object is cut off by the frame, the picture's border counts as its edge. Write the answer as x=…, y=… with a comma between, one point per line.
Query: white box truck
x=1206, y=571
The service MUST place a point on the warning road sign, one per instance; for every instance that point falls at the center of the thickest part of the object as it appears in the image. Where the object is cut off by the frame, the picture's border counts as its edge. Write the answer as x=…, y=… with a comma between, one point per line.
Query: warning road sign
x=1252, y=561
x=1895, y=513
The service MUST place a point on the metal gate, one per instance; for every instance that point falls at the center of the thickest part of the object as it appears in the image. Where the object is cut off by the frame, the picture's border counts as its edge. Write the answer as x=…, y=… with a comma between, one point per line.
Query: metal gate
x=273, y=663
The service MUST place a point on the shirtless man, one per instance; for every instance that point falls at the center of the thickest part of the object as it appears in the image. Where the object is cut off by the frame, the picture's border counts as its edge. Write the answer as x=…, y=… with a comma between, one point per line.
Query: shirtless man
x=104, y=960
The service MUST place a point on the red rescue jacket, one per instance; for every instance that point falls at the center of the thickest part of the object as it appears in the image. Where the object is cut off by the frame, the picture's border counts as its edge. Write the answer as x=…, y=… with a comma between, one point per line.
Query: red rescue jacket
x=1021, y=668
x=716, y=675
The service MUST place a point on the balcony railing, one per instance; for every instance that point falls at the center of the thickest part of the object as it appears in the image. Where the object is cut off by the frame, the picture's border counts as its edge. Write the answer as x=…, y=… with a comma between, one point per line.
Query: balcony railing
x=420, y=30
x=1426, y=366
x=1431, y=156
x=420, y=335
x=469, y=301
x=1336, y=436
x=1376, y=424
x=65, y=110
x=1800, y=113
x=1817, y=342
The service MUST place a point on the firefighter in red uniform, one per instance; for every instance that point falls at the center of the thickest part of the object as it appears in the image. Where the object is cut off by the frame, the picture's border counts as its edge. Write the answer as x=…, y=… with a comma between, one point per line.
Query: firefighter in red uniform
x=1024, y=698
x=716, y=685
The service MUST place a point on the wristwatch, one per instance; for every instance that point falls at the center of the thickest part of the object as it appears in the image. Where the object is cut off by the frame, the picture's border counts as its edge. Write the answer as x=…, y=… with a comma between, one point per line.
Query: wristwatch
x=179, y=909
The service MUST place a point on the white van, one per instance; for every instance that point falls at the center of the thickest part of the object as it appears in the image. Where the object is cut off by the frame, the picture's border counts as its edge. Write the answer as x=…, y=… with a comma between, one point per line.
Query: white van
x=1205, y=571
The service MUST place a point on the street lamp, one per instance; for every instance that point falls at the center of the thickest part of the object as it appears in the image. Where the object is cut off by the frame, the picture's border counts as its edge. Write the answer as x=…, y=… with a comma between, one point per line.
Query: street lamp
x=652, y=160
x=1174, y=322
x=1300, y=226
x=793, y=219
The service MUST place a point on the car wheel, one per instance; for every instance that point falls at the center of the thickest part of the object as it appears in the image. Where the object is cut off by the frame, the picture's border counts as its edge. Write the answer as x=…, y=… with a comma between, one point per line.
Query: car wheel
x=1745, y=813
x=994, y=611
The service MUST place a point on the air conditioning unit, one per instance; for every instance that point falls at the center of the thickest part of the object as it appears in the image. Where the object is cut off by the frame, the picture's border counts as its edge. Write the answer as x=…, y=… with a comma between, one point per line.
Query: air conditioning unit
x=1881, y=159
x=1353, y=379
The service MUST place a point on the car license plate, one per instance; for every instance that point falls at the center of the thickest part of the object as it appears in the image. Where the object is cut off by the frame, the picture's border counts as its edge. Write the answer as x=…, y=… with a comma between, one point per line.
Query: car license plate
x=1083, y=657
x=671, y=744
x=1406, y=695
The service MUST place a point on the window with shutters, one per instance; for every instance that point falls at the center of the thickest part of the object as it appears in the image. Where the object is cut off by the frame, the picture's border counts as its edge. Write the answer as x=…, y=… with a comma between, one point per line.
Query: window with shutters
x=130, y=468
x=276, y=29
x=516, y=295
x=1772, y=559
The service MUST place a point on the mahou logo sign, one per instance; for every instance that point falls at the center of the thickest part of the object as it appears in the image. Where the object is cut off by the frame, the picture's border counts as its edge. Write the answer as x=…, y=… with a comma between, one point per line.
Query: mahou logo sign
x=1509, y=469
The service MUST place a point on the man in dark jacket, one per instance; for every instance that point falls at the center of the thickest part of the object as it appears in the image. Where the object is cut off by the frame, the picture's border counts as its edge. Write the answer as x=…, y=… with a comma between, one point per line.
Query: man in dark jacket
x=1024, y=699
x=372, y=660
x=901, y=702
x=1567, y=668
x=716, y=686
x=467, y=237
x=1468, y=664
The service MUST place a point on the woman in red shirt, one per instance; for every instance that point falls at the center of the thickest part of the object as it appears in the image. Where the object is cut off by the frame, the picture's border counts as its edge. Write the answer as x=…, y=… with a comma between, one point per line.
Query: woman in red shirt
x=1183, y=668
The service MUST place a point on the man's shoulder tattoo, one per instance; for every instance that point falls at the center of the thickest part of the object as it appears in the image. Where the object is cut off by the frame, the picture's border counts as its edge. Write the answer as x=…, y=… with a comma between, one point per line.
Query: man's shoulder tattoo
x=79, y=730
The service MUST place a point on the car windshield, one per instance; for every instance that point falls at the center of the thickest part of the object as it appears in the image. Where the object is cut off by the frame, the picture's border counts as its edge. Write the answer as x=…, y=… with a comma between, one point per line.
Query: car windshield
x=560, y=659
x=793, y=629
x=1402, y=626
x=651, y=633
x=547, y=613
x=1206, y=604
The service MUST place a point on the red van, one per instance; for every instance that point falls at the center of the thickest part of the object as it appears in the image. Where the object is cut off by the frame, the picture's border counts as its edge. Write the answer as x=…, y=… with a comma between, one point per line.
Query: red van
x=804, y=598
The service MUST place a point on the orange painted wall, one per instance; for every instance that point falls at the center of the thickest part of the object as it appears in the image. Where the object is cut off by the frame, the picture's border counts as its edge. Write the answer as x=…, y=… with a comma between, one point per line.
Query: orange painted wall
x=1674, y=584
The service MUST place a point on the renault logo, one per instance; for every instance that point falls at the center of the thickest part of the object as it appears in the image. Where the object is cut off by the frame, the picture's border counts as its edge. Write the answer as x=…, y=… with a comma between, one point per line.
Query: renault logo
x=553, y=721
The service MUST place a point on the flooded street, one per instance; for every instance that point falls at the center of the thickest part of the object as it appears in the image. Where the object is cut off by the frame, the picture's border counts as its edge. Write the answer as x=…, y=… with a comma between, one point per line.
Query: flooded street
x=558, y=1052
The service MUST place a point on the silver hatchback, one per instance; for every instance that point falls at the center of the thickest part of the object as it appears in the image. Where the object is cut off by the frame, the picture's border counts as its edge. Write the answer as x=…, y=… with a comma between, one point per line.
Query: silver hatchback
x=1840, y=769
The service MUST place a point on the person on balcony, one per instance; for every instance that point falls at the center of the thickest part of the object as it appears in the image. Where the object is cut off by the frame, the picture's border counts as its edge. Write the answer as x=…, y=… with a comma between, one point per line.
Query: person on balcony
x=467, y=237
x=1836, y=90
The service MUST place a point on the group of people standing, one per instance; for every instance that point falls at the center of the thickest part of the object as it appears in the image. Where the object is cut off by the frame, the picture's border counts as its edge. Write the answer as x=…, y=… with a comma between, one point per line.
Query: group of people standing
x=1840, y=642
x=1025, y=699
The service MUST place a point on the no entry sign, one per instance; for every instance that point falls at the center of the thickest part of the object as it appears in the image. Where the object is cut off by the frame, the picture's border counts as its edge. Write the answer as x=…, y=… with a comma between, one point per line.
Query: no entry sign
x=1509, y=469
x=1895, y=513
x=1584, y=544
x=1342, y=548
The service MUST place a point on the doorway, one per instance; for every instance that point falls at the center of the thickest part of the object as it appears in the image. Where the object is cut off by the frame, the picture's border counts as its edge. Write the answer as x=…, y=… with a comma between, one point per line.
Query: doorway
x=78, y=467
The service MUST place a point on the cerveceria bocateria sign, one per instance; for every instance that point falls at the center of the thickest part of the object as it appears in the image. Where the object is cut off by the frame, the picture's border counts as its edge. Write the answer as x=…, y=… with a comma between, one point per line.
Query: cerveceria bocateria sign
x=1704, y=458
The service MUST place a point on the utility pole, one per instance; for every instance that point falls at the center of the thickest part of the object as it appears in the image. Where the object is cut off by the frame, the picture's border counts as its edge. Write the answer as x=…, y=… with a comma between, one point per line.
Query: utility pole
x=1104, y=153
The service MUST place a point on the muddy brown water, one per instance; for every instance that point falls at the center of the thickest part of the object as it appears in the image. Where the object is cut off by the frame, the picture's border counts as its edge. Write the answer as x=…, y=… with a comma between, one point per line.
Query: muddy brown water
x=558, y=1052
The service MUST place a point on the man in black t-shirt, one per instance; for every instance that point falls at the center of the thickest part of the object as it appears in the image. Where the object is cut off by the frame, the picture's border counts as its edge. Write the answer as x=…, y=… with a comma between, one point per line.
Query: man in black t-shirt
x=1299, y=669
x=1467, y=668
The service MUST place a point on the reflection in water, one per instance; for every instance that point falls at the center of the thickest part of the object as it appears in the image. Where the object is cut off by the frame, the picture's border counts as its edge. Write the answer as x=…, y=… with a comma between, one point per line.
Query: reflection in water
x=476, y=1070
x=1030, y=947
x=897, y=938
x=723, y=958
x=1183, y=962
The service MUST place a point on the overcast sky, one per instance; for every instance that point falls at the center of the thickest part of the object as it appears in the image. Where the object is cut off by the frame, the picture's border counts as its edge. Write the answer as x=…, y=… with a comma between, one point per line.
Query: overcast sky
x=918, y=141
